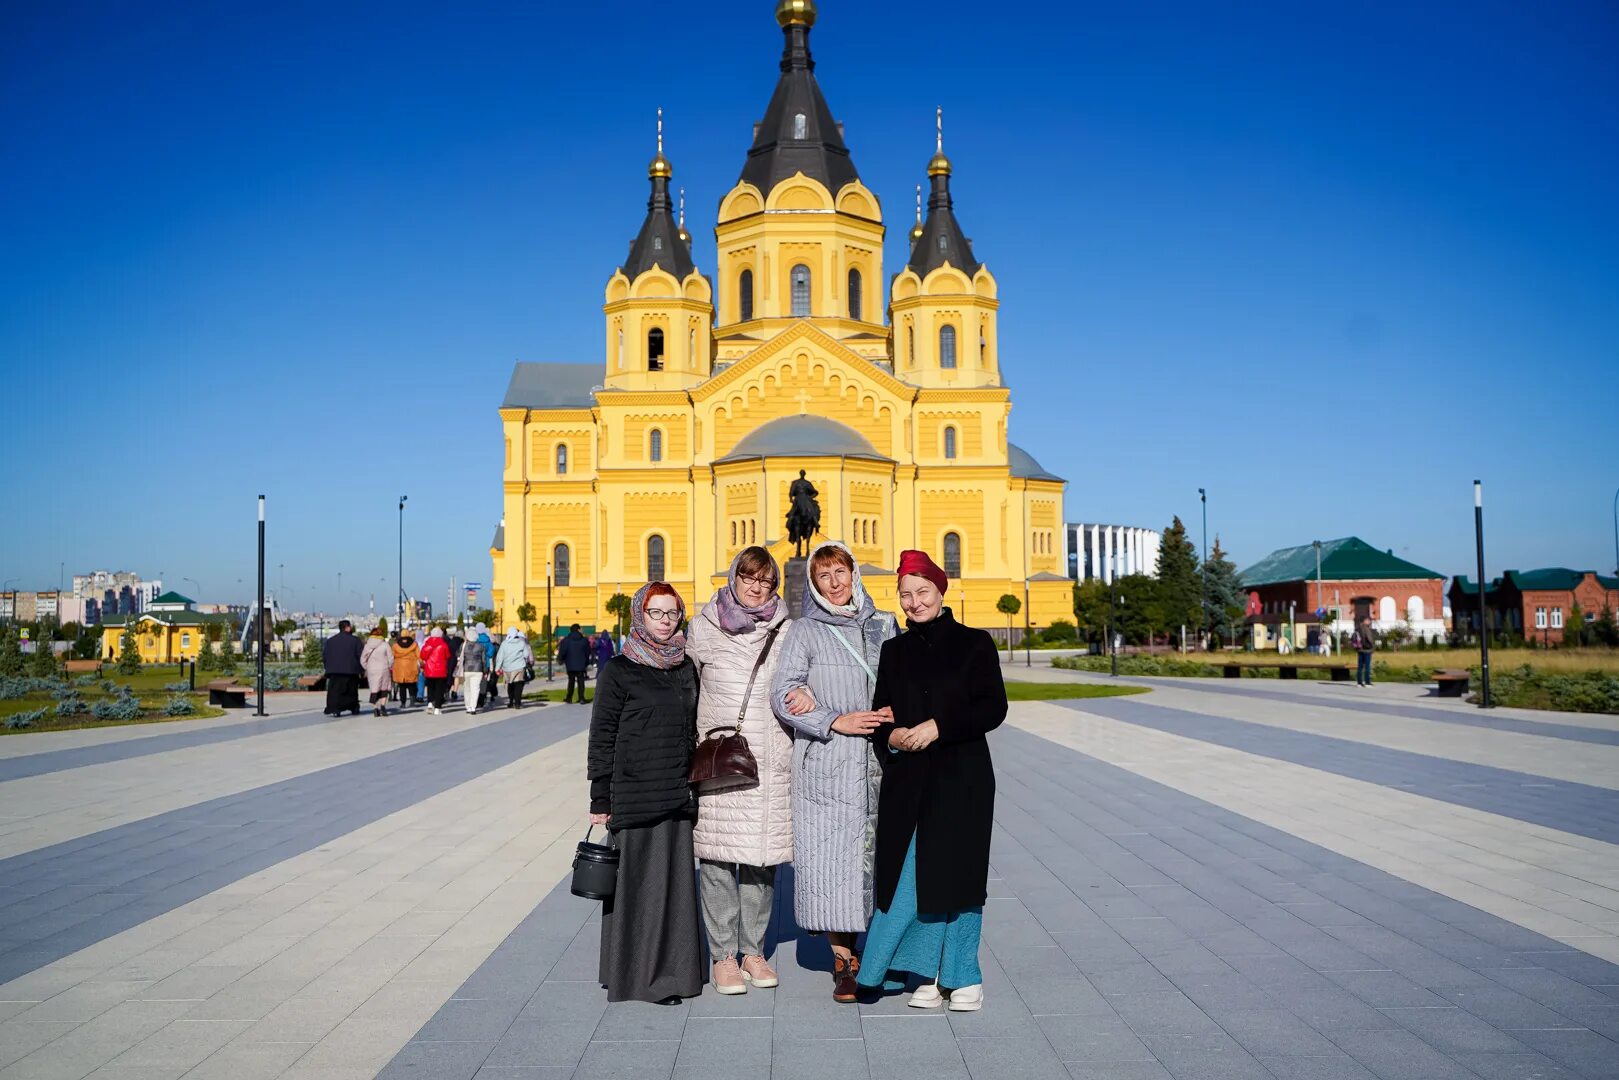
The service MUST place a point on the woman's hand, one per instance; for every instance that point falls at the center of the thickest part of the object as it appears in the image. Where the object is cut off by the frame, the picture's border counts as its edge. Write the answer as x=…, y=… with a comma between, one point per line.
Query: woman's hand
x=919, y=737
x=800, y=701
x=856, y=723
x=600, y=819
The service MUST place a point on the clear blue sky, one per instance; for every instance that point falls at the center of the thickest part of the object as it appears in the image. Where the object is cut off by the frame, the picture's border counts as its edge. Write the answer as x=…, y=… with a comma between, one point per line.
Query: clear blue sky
x=1330, y=264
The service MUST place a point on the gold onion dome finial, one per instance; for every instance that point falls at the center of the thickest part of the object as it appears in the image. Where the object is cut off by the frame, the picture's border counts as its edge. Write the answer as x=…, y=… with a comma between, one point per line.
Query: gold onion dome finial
x=660, y=165
x=795, y=12
x=938, y=165
x=916, y=230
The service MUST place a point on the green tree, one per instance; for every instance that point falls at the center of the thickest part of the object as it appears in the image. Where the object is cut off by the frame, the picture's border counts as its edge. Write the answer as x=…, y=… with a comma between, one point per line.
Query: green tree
x=129, y=655
x=618, y=606
x=87, y=646
x=487, y=617
x=1605, y=630
x=545, y=632
x=43, y=663
x=284, y=629
x=526, y=614
x=312, y=659
x=207, y=656
x=1141, y=615
x=1179, y=590
x=1009, y=606
x=1224, y=599
x=1574, y=627
x=1091, y=609
x=382, y=624
x=11, y=658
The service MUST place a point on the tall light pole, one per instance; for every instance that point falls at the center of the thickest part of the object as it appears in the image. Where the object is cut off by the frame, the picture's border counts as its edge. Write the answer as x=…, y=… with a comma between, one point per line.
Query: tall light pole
x=1203, y=497
x=1026, y=625
x=1320, y=604
x=258, y=631
x=1113, y=624
x=550, y=626
x=1616, y=531
x=1483, y=617
x=399, y=619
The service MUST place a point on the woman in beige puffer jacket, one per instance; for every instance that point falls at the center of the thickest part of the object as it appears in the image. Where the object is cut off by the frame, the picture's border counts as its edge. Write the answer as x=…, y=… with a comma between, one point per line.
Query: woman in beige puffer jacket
x=742, y=835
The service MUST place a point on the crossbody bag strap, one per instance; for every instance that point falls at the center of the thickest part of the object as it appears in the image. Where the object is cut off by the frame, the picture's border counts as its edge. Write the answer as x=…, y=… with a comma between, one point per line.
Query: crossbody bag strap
x=861, y=660
x=747, y=695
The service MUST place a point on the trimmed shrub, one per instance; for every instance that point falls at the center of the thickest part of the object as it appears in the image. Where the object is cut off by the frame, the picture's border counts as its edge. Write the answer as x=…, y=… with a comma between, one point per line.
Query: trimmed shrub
x=72, y=705
x=24, y=720
x=124, y=707
x=179, y=705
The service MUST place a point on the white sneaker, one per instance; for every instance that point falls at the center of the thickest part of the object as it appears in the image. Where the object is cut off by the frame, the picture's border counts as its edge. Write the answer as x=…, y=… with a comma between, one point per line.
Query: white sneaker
x=927, y=996
x=967, y=999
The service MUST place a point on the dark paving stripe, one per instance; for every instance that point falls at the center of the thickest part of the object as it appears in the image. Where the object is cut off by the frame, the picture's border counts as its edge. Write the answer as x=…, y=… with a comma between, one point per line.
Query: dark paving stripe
x=50, y=761
x=62, y=898
x=1481, y=719
x=1128, y=922
x=1560, y=804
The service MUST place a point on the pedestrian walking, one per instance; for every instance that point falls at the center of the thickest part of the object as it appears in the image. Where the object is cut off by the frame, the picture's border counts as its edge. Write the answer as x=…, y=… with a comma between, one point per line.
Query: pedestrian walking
x=340, y=656
x=604, y=651
x=514, y=666
x=639, y=759
x=574, y=653
x=940, y=683
x=486, y=685
x=743, y=834
x=471, y=663
x=376, y=657
x=455, y=641
x=407, y=667
x=1363, y=640
x=829, y=659
x=437, y=664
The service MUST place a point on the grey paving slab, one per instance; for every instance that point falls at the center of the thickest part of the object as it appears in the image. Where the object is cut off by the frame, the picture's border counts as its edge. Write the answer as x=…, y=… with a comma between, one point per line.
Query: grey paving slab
x=150, y=867
x=1559, y=804
x=49, y=761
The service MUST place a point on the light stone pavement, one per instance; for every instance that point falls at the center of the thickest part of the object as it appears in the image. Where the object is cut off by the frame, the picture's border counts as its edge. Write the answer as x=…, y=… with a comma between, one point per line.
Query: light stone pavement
x=1283, y=881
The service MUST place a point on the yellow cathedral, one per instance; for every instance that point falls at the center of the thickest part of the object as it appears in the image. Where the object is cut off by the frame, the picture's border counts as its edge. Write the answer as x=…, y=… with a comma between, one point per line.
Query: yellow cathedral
x=714, y=393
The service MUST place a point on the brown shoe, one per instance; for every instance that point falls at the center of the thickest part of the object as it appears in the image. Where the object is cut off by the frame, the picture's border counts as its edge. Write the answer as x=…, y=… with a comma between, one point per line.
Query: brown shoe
x=757, y=970
x=844, y=988
x=728, y=977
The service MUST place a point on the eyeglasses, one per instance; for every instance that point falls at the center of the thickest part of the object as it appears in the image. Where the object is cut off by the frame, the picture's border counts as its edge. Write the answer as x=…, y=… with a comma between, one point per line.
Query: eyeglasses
x=661, y=614
x=757, y=582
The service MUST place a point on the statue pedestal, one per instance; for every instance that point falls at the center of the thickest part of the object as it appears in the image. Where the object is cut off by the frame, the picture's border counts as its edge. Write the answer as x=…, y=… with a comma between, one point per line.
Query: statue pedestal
x=793, y=576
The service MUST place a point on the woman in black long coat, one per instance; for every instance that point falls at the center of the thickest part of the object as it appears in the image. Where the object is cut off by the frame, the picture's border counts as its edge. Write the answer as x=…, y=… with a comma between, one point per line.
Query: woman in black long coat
x=940, y=683
x=641, y=731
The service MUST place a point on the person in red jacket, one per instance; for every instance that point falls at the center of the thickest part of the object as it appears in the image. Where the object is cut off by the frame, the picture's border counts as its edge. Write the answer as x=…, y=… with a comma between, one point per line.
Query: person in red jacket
x=436, y=668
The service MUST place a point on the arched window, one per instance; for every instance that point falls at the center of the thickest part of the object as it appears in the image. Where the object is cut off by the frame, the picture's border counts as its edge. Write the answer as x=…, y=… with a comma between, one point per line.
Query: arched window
x=753, y=531
x=621, y=348
x=561, y=568
x=800, y=126
x=947, y=346
x=950, y=442
x=1413, y=609
x=856, y=301
x=744, y=292
x=654, y=349
x=801, y=289
x=952, y=555
x=562, y=458
x=654, y=558
x=733, y=534
x=655, y=444
x=910, y=343
x=1386, y=610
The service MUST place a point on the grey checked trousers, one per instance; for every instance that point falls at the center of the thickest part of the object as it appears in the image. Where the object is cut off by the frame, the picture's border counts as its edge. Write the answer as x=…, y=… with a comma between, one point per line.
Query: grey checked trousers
x=736, y=907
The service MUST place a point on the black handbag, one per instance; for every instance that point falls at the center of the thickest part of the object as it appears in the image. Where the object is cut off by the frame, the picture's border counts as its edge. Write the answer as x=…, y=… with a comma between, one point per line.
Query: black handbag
x=595, y=869
x=725, y=762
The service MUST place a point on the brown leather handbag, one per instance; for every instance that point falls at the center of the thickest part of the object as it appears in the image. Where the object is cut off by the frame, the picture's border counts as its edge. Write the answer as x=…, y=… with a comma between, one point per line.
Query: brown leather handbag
x=724, y=762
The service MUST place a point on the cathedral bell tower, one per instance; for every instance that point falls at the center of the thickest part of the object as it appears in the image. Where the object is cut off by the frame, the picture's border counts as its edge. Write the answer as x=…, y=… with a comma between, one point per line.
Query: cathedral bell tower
x=659, y=309
x=943, y=305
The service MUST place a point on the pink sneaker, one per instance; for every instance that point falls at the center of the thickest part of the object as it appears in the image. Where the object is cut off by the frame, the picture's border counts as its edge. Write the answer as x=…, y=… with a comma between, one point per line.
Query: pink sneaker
x=728, y=977
x=757, y=970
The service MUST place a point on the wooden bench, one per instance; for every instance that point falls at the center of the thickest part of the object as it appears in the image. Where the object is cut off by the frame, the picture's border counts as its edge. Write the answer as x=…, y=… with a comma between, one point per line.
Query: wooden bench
x=311, y=682
x=1340, y=672
x=226, y=693
x=1452, y=683
x=84, y=667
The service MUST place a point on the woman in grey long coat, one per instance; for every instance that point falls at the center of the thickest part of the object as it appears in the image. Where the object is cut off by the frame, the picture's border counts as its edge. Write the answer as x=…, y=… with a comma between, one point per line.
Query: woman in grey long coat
x=832, y=652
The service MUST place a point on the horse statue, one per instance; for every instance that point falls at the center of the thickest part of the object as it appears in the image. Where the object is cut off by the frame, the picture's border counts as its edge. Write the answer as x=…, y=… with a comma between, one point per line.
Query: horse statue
x=804, y=517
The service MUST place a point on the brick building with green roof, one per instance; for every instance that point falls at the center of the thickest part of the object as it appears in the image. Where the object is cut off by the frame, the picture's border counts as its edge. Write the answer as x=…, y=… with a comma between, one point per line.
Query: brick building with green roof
x=1357, y=581
x=1534, y=603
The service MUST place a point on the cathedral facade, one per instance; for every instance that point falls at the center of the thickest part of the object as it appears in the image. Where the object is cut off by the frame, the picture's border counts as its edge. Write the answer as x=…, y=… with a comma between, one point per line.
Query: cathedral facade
x=714, y=393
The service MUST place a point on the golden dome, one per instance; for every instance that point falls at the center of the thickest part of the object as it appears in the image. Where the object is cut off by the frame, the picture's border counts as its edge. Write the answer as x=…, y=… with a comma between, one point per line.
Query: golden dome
x=938, y=164
x=684, y=235
x=660, y=167
x=799, y=12
x=916, y=232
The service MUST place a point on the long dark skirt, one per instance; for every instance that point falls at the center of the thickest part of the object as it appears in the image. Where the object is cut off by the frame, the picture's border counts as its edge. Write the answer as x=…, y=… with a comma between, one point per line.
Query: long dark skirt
x=342, y=694
x=650, y=944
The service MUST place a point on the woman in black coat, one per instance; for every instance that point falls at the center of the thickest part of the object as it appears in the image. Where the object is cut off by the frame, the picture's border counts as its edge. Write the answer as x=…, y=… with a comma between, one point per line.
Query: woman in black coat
x=642, y=727
x=940, y=683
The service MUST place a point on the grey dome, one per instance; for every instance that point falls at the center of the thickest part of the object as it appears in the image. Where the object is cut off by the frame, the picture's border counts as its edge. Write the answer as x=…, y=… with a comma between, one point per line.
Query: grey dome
x=1022, y=464
x=803, y=436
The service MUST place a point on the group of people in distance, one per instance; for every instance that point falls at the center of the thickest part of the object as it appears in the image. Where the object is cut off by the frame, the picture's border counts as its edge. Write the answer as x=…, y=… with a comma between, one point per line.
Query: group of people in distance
x=874, y=781
x=399, y=670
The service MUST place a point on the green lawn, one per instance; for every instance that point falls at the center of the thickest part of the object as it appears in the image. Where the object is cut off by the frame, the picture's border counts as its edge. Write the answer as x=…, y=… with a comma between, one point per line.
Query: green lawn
x=1051, y=691
x=148, y=687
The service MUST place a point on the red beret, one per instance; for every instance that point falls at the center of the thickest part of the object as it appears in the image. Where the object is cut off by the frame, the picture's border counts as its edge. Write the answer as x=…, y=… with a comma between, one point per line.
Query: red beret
x=918, y=563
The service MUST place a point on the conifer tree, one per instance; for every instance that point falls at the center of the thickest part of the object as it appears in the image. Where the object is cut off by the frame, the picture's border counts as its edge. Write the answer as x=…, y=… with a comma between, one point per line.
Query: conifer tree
x=129, y=654
x=11, y=658
x=1225, y=593
x=1179, y=590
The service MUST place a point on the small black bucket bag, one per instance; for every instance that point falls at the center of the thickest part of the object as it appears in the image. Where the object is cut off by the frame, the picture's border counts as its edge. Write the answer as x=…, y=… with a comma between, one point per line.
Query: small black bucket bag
x=595, y=869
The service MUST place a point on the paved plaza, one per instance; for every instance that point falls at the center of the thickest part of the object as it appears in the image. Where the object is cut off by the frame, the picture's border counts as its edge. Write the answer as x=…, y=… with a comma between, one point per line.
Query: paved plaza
x=1213, y=880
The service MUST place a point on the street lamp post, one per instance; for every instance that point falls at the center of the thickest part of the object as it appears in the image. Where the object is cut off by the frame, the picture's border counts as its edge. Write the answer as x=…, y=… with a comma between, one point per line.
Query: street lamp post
x=1026, y=624
x=399, y=619
x=1616, y=531
x=1203, y=497
x=1483, y=621
x=258, y=631
x=1320, y=603
x=550, y=626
